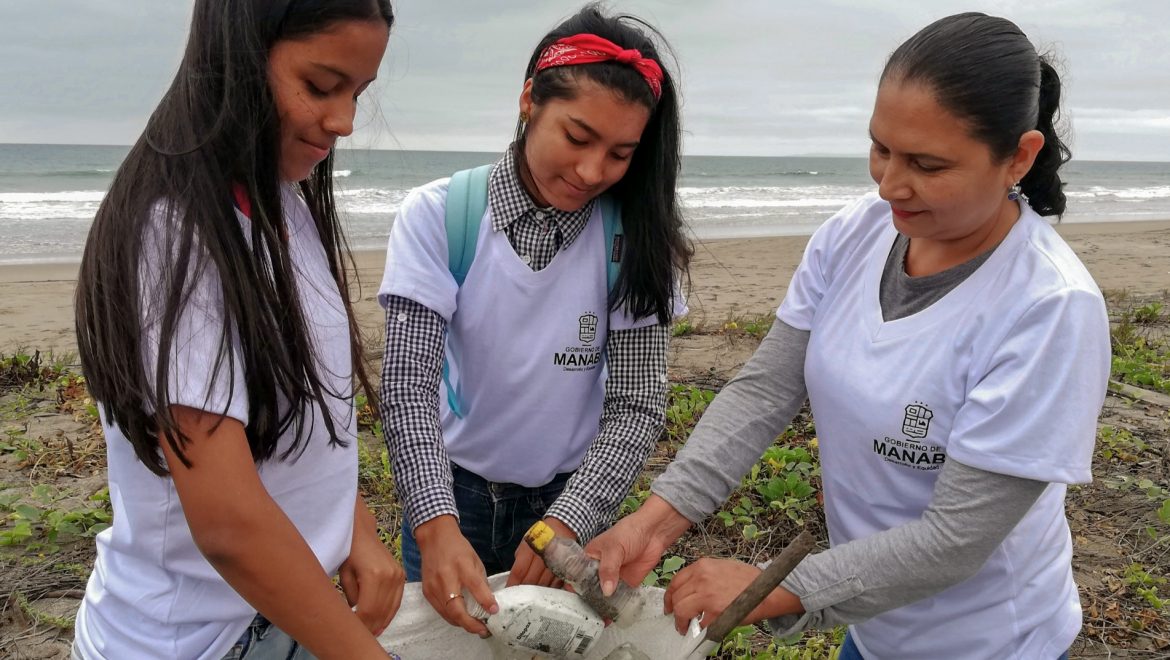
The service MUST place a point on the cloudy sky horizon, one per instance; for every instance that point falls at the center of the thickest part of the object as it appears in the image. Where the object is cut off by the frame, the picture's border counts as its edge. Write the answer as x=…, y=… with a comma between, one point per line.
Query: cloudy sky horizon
x=758, y=77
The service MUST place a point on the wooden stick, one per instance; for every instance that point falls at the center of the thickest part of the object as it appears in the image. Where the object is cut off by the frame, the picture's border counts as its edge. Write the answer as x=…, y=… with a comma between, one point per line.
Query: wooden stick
x=758, y=590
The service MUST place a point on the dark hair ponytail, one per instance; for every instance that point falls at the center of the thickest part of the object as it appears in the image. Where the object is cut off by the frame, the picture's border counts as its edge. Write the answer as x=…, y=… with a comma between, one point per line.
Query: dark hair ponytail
x=170, y=204
x=1042, y=185
x=985, y=71
x=656, y=248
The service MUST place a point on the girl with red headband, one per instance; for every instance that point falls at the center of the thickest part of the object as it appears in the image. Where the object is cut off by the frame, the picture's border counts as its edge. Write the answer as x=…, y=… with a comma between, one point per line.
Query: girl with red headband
x=532, y=384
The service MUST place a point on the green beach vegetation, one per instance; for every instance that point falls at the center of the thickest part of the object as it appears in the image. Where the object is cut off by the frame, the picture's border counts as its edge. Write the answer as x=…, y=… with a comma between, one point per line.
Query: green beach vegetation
x=53, y=496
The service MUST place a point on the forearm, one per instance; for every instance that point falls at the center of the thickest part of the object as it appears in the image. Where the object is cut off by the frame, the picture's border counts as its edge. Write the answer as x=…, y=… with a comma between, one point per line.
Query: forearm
x=411, y=374
x=364, y=522
x=633, y=417
x=971, y=512
x=747, y=416
x=269, y=564
x=250, y=541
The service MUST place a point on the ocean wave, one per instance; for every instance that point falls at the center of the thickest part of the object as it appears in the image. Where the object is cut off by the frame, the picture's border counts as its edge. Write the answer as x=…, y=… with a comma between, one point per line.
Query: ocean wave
x=63, y=174
x=341, y=174
x=760, y=173
x=364, y=201
x=71, y=196
x=769, y=197
x=1096, y=192
x=809, y=202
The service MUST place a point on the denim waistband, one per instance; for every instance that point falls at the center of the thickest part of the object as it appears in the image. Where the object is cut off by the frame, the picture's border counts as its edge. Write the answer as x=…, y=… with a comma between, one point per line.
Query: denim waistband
x=499, y=490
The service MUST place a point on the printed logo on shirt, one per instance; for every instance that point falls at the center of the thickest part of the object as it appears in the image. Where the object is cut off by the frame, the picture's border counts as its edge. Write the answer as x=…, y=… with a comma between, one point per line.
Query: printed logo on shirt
x=583, y=357
x=910, y=452
x=587, y=325
x=916, y=424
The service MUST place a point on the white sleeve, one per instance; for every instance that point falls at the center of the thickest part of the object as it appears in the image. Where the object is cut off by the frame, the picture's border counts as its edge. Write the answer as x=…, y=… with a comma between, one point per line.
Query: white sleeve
x=200, y=373
x=1032, y=410
x=416, y=256
x=832, y=242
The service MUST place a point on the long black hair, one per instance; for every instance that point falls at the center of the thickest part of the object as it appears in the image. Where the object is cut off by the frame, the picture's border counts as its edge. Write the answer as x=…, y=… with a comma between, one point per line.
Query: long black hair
x=171, y=205
x=985, y=71
x=655, y=245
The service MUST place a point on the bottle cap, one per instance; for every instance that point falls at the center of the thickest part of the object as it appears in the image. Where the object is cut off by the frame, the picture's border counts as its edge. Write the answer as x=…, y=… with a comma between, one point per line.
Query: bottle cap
x=473, y=607
x=539, y=536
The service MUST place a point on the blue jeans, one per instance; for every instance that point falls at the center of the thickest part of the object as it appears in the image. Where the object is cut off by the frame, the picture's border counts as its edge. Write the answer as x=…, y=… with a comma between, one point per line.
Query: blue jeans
x=849, y=650
x=264, y=641
x=492, y=516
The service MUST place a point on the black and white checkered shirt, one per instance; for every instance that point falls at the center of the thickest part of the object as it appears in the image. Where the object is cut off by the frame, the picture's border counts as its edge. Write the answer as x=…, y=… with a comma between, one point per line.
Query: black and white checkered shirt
x=633, y=412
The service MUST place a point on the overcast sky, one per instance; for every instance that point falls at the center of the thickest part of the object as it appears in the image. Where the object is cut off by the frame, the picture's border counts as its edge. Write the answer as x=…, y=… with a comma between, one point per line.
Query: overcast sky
x=759, y=77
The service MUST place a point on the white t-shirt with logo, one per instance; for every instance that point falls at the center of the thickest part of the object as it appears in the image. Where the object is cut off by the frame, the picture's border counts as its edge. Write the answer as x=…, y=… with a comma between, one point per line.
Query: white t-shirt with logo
x=1005, y=373
x=526, y=349
x=152, y=594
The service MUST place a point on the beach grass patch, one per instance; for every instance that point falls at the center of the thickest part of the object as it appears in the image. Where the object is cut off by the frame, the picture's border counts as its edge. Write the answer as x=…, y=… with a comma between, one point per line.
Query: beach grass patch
x=37, y=370
x=1141, y=347
x=685, y=404
x=755, y=326
x=1146, y=586
x=754, y=642
x=1119, y=445
x=39, y=520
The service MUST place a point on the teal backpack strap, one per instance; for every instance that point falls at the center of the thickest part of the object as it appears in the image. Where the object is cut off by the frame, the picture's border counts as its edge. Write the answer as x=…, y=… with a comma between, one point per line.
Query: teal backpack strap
x=467, y=200
x=466, y=203
x=611, y=217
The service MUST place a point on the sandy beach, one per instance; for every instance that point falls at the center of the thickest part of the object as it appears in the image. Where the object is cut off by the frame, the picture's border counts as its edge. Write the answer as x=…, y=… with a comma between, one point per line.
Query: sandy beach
x=731, y=278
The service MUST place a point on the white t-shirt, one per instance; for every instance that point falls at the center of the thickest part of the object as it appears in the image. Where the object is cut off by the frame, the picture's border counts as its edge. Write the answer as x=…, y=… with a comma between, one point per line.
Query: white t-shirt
x=526, y=349
x=1005, y=373
x=152, y=594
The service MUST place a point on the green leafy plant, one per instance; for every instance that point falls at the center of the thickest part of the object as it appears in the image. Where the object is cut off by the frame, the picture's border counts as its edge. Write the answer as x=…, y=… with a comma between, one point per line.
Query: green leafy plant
x=1120, y=444
x=749, y=643
x=35, y=521
x=684, y=406
x=661, y=576
x=375, y=476
x=1140, y=357
x=35, y=370
x=1145, y=586
x=1147, y=314
x=1126, y=483
x=634, y=500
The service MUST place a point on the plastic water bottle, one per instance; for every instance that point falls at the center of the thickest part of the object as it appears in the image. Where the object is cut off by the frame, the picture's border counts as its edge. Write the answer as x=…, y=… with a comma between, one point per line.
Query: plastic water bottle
x=547, y=621
x=568, y=561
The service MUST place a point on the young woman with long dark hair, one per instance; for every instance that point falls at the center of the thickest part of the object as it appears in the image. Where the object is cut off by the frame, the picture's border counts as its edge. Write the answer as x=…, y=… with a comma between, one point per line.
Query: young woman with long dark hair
x=532, y=385
x=216, y=335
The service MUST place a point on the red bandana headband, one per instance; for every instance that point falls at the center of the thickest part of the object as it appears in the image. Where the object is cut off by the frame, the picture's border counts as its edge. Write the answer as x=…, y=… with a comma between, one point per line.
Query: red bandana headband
x=590, y=48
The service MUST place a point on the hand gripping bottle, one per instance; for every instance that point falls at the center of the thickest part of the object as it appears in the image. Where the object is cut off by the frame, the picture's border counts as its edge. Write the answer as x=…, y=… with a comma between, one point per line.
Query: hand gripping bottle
x=568, y=561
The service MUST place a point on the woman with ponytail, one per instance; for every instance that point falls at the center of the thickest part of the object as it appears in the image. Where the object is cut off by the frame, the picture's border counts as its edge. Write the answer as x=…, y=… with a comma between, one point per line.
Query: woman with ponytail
x=955, y=353
x=531, y=385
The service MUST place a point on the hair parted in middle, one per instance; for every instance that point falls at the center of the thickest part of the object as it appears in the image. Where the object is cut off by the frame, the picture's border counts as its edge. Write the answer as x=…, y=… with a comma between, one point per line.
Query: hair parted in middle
x=657, y=251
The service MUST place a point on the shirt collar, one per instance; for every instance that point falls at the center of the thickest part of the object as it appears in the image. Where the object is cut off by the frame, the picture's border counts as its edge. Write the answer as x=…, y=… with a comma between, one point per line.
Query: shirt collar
x=510, y=201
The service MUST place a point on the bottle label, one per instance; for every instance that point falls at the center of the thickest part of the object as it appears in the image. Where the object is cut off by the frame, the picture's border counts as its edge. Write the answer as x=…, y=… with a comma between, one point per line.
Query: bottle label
x=544, y=631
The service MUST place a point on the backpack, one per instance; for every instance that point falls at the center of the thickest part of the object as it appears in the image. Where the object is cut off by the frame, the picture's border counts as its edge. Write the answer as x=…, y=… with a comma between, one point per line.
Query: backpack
x=467, y=200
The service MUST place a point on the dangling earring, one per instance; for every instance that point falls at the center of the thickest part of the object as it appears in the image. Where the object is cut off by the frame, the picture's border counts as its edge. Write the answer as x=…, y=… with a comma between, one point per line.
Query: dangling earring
x=523, y=117
x=1014, y=192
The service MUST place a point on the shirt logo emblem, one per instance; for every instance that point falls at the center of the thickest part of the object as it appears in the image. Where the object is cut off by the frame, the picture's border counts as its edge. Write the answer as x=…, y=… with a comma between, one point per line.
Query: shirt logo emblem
x=587, y=327
x=916, y=424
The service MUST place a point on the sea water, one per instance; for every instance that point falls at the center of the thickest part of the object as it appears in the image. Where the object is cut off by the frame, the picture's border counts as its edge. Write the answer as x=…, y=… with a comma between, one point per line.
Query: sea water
x=50, y=193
